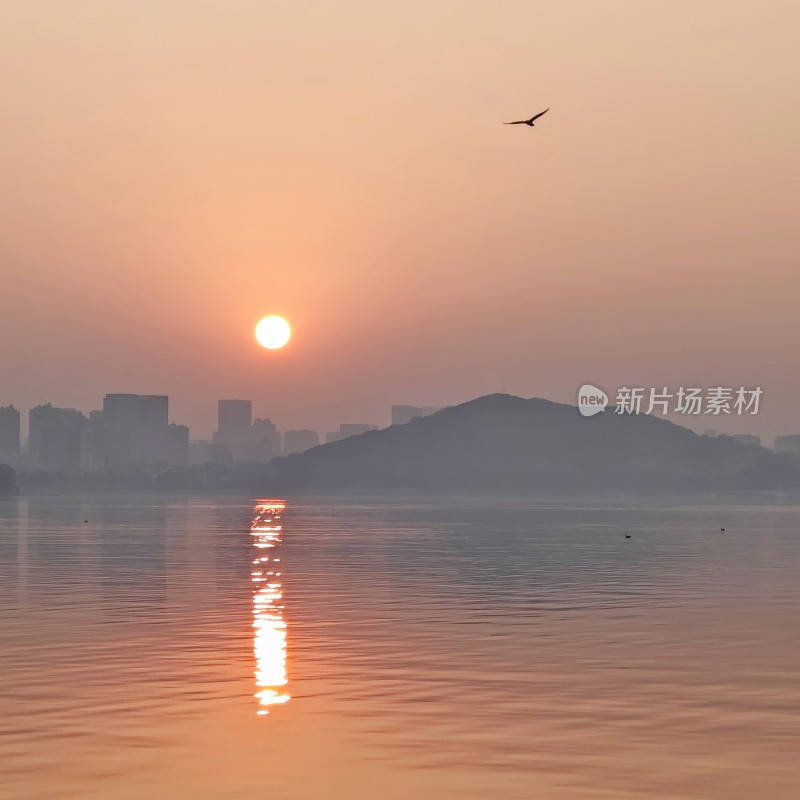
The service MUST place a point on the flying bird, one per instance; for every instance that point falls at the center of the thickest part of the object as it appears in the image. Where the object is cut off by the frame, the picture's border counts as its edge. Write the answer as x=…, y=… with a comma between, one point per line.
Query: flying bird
x=528, y=121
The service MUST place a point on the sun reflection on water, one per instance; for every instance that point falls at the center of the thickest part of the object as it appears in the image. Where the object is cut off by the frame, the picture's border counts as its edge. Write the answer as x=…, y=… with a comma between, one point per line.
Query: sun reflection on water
x=269, y=638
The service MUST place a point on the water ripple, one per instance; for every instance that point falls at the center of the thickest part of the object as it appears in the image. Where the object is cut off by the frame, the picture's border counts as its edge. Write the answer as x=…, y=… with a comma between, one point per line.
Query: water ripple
x=458, y=649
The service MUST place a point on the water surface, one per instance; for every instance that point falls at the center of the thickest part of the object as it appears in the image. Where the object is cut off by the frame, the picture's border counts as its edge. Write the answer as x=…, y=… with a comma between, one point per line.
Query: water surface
x=228, y=649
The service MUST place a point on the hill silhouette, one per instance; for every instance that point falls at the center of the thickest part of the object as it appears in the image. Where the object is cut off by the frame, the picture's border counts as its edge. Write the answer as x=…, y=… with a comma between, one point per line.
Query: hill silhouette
x=501, y=444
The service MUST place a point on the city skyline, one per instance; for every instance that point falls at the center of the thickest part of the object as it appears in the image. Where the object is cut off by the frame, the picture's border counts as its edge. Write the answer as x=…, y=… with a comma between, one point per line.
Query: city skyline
x=239, y=436
x=392, y=415
x=138, y=430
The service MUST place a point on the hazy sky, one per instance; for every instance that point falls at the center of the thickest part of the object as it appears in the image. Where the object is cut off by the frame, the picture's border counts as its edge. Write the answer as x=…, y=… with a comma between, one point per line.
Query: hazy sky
x=173, y=171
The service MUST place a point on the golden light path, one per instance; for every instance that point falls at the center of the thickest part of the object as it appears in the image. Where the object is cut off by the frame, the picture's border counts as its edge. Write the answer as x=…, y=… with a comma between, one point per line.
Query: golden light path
x=269, y=638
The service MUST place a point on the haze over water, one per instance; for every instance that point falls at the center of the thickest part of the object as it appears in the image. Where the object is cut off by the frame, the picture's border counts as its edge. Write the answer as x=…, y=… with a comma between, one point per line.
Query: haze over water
x=232, y=649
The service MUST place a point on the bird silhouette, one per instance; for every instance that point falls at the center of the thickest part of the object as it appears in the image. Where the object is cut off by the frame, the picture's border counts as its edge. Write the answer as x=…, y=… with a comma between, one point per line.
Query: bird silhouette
x=627, y=536
x=528, y=121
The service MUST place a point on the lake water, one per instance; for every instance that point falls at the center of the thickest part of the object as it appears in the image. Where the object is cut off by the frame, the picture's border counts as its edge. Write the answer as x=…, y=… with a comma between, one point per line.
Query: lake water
x=231, y=649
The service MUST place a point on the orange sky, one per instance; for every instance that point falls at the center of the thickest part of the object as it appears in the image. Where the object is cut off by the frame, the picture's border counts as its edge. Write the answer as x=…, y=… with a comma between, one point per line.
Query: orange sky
x=172, y=171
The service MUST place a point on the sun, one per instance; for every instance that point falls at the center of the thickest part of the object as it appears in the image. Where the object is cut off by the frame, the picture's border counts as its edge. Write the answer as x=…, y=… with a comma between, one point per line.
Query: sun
x=273, y=332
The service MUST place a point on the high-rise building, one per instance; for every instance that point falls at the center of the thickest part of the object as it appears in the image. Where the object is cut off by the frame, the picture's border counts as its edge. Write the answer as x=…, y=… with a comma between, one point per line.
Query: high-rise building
x=176, y=444
x=235, y=428
x=136, y=428
x=9, y=431
x=299, y=441
x=55, y=438
x=265, y=439
x=234, y=421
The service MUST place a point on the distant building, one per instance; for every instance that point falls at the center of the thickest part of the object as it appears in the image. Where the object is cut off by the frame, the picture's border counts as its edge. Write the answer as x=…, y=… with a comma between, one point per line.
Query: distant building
x=199, y=451
x=204, y=451
x=746, y=438
x=234, y=421
x=234, y=427
x=265, y=440
x=404, y=414
x=55, y=438
x=9, y=431
x=299, y=441
x=176, y=444
x=788, y=444
x=136, y=429
x=94, y=448
x=347, y=429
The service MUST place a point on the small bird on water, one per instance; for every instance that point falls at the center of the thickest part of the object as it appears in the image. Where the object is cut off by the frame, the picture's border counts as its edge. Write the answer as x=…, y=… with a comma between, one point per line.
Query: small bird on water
x=528, y=121
x=627, y=536
x=722, y=530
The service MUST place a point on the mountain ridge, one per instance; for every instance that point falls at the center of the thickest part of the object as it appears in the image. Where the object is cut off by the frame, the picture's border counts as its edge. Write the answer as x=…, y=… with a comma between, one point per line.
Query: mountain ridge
x=501, y=443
